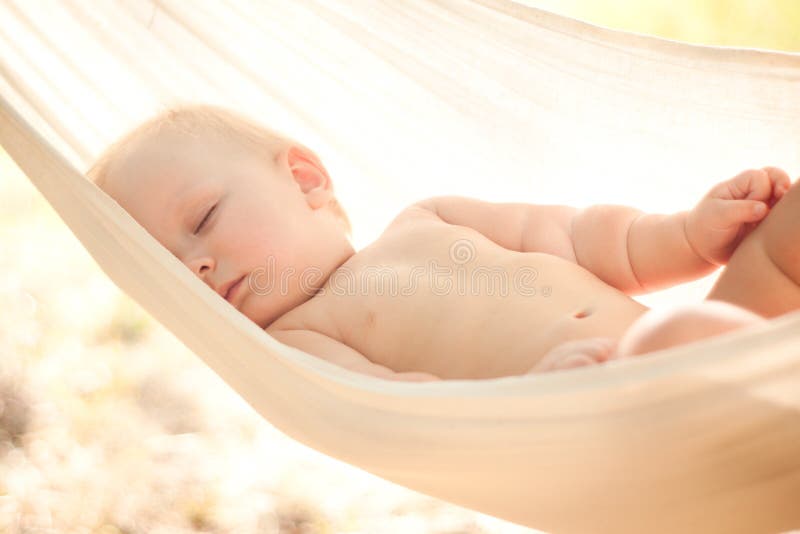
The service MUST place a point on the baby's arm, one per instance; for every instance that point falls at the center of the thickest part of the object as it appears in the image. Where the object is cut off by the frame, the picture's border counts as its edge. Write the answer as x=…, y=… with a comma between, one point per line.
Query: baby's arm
x=512, y=225
x=340, y=354
x=638, y=252
x=633, y=251
x=598, y=238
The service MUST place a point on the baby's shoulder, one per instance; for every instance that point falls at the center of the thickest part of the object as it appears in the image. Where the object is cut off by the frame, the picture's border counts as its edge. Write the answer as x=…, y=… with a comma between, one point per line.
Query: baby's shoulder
x=415, y=215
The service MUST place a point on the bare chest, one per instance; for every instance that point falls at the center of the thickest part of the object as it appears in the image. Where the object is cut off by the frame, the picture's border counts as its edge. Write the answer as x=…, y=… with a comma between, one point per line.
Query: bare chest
x=439, y=298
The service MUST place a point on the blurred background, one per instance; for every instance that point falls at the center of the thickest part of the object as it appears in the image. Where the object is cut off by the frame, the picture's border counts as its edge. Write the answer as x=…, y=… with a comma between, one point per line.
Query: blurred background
x=740, y=23
x=108, y=424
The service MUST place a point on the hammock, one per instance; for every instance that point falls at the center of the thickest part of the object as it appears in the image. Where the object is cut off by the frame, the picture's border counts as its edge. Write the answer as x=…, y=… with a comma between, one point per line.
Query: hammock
x=404, y=100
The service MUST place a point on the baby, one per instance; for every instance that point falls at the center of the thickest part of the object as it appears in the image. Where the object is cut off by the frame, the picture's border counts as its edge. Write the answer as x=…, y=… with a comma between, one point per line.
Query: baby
x=476, y=289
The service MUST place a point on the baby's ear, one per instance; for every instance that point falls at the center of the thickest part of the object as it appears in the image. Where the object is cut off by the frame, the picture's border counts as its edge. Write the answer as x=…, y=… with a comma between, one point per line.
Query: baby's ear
x=307, y=170
x=310, y=175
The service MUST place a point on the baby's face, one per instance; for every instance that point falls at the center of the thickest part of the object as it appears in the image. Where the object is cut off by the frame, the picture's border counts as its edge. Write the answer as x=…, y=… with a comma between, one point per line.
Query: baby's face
x=229, y=215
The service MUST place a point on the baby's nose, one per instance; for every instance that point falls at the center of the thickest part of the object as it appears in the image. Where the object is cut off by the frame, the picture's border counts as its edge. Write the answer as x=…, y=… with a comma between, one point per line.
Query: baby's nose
x=201, y=266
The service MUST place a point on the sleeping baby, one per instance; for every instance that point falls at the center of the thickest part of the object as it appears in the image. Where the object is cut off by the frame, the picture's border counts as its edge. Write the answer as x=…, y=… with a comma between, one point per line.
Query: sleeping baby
x=454, y=287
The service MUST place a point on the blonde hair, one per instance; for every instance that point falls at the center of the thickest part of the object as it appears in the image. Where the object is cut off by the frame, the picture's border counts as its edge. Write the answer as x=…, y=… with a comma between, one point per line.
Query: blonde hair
x=195, y=120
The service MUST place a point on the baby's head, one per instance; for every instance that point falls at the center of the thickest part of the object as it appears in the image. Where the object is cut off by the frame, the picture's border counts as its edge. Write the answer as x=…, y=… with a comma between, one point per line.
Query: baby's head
x=231, y=199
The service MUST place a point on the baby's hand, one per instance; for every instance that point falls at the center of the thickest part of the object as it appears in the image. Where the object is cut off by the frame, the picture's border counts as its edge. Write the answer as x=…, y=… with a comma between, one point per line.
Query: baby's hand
x=731, y=210
x=579, y=353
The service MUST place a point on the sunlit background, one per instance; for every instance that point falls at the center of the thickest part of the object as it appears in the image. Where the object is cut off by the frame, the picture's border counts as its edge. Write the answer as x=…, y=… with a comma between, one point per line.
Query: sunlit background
x=109, y=424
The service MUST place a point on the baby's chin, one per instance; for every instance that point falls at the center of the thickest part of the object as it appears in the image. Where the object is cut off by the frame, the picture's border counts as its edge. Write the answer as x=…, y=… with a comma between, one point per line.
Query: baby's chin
x=262, y=320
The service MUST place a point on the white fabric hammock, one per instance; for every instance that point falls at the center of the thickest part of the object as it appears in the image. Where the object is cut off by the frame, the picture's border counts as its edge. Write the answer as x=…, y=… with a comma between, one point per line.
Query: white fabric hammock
x=404, y=100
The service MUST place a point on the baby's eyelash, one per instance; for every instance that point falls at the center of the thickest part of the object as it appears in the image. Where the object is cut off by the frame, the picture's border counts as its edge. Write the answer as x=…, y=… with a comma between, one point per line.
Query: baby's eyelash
x=203, y=222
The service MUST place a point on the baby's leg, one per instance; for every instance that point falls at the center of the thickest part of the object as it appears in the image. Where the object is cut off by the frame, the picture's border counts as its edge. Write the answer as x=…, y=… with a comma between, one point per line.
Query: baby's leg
x=763, y=274
x=660, y=329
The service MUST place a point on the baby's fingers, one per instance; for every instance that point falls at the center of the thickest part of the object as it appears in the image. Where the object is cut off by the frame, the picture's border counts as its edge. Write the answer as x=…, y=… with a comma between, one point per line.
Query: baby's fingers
x=576, y=360
x=553, y=362
x=577, y=353
x=752, y=184
x=779, y=181
x=732, y=213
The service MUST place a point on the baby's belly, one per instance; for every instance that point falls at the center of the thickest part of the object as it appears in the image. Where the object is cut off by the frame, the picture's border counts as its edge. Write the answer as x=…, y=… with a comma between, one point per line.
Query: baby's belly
x=490, y=321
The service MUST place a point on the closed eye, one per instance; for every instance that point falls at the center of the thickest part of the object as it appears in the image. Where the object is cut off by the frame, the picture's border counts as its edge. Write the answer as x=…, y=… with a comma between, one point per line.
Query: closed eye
x=203, y=222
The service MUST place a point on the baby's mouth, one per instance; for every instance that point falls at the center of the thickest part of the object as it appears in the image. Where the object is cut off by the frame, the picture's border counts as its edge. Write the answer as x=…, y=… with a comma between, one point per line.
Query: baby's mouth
x=232, y=290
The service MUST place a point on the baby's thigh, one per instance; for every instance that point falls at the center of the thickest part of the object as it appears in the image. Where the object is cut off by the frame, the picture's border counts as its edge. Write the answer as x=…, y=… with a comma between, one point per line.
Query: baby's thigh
x=780, y=229
x=660, y=329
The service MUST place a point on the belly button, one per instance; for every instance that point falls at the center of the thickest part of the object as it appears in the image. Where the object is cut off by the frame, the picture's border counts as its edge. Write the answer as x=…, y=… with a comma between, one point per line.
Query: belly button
x=586, y=312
